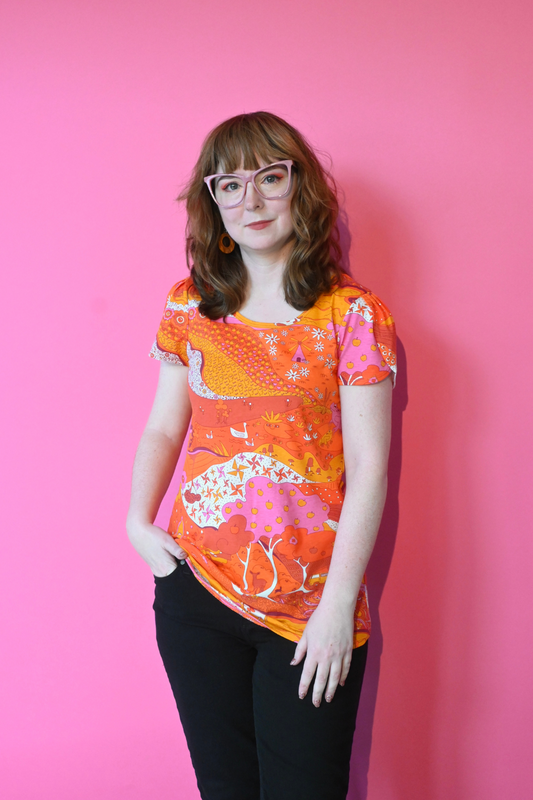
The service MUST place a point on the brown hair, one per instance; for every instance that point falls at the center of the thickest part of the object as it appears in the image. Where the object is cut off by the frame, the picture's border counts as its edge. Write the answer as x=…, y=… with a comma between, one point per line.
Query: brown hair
x=313, y=266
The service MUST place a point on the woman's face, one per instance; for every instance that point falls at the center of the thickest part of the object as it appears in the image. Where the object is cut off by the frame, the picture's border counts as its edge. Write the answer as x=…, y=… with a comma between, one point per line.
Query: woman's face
x=260, y=226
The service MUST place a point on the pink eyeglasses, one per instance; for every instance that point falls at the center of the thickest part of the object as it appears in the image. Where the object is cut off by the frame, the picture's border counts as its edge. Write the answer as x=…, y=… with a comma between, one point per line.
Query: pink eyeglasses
x=272, y=182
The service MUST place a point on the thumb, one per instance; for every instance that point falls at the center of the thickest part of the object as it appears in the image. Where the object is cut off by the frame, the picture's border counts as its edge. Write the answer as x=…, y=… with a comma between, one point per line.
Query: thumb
x=301, y=650
x=177, y=551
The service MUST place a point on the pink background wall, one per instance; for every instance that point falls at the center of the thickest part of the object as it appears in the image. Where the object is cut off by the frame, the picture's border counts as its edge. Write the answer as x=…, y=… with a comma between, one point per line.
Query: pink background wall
x=425, y=109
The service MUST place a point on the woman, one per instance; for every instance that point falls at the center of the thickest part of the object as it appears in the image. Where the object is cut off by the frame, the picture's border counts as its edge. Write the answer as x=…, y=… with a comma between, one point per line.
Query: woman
x=282, y=365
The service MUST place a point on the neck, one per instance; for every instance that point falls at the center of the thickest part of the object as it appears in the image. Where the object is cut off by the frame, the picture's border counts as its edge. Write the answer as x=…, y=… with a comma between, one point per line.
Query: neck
x=265, y=269
x=265, y=298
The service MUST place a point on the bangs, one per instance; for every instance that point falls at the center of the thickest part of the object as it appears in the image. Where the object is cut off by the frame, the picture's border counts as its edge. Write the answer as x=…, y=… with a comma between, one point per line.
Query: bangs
x=243, y=144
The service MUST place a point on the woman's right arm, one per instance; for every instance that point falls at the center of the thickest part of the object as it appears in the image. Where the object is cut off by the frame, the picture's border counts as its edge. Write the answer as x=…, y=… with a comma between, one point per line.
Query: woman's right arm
x=153, y=468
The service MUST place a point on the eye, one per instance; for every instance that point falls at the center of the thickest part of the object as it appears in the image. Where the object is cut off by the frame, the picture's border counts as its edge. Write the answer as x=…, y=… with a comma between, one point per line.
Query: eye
x=272, y=178
x=228, y=185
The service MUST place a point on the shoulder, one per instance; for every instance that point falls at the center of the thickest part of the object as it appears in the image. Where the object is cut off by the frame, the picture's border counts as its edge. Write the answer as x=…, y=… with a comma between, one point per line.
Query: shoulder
x=183, y=295
x=351, y=297
x=171, y=339
x=356, y=308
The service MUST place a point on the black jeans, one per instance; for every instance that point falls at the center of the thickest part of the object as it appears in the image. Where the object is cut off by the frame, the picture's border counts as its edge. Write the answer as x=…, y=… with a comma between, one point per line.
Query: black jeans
x=249, y=735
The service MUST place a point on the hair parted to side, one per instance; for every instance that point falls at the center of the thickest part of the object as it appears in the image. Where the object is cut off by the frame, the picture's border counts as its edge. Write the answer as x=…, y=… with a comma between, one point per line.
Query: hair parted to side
x=313, y=266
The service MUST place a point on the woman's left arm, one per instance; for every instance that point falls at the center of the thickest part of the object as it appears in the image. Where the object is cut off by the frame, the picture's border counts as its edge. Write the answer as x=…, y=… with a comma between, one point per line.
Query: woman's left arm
x=327, y=641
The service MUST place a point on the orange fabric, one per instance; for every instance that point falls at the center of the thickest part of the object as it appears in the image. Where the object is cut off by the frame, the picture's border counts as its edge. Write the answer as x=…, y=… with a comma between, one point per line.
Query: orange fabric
x=263, y=480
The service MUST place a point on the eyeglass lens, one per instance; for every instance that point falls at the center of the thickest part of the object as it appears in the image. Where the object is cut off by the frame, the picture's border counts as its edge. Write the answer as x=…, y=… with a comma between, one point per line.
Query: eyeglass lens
x=271, y=182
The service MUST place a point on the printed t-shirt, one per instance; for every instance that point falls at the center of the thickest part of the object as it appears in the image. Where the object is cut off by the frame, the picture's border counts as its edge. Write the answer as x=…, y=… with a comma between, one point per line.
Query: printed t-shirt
x=263, y=479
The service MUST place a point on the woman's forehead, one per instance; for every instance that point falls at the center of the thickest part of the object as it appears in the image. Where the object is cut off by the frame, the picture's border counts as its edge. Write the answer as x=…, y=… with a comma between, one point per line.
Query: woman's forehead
x=241, y=167
x=244, y=160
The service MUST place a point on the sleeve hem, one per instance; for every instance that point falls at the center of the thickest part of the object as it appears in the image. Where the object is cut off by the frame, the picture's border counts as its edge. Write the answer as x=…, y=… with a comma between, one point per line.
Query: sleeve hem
x=162, y=355
x=357, y=381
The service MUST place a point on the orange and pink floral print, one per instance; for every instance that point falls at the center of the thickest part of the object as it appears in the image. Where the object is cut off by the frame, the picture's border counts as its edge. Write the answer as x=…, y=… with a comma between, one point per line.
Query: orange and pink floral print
x=263, y=480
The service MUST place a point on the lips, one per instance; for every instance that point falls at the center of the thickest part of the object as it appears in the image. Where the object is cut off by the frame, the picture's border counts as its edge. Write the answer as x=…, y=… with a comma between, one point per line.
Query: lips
x=258, y=226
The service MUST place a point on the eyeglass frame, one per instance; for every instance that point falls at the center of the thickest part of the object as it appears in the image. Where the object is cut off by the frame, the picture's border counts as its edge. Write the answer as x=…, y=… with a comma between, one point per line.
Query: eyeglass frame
x=251, y=180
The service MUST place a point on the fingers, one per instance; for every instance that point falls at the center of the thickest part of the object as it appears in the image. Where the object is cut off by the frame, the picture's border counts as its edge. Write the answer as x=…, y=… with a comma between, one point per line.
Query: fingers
x=171, y=545
x=347, y=660
x=301, y=649
x=327, y=678
x=308, y=671
x=320, y=683
x=170, y=551
x=333, y=681
x=177, y=554
x=157, y=547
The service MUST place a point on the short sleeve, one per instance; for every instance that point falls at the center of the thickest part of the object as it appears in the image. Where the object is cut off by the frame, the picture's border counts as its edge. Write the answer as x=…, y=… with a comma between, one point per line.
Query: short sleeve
x=366, y=338
x=171, y=341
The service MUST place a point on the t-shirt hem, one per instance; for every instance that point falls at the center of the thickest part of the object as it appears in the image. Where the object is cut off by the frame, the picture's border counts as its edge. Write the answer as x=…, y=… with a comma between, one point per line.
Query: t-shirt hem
x=294, y=635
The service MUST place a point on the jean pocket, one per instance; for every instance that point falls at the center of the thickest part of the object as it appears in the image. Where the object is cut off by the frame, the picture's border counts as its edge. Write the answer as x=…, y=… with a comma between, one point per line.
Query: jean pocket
x=181, y=566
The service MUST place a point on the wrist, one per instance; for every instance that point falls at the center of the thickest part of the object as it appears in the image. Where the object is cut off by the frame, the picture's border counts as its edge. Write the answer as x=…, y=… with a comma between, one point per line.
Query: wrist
x=340, y=598
x=135, y=524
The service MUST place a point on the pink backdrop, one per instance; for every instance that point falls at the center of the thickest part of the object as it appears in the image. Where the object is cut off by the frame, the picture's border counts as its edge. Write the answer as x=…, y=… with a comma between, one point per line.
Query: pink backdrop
x=425, y=109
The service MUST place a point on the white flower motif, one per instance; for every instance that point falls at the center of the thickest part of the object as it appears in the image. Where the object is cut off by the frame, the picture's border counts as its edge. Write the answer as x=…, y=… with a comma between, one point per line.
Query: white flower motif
x=273, y=351
x=330, y=337
x=307, y=328
x=304, y=372
x=318, y=333
x=320, y=396
x=271, y=338
x=320, y=358
x=291, y=418
x=307, y=437
x=292, y=375
x=261, y=334
x=330, y=362
x=284, y=333
x=319, y=346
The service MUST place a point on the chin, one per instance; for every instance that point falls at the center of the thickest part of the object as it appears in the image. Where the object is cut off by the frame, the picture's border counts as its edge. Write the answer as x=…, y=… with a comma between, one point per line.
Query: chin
x=261, y=247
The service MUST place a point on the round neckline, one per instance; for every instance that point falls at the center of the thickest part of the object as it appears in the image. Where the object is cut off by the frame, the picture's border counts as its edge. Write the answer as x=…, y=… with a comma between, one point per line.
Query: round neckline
x=242, y=318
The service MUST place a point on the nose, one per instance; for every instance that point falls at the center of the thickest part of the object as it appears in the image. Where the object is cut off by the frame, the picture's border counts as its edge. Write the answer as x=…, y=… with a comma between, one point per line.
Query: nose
x=252, y=198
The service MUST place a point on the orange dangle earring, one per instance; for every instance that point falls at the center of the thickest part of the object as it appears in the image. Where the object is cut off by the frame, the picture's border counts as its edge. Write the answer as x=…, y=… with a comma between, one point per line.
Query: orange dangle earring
x=227, y=246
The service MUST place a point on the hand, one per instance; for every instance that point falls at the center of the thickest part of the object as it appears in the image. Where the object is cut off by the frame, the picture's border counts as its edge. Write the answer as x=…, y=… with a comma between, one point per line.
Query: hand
x=327, y=643
x=158, y=548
